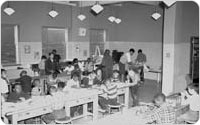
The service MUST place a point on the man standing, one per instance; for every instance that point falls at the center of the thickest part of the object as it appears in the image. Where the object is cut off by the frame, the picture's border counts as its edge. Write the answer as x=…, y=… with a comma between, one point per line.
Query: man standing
x=56, y=56
x=50, y=66
x=126, y=60
x=141, y=60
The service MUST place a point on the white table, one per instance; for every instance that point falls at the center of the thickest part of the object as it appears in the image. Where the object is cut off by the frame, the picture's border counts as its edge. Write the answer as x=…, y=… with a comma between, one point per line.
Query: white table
x=158, y=72
x=127, y=117
x=38, y=107
x=75, y=97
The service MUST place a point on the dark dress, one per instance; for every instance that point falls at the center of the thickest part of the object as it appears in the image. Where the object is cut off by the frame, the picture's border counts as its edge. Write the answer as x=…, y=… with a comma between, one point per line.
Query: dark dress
x=25, y=82
x=107, y=70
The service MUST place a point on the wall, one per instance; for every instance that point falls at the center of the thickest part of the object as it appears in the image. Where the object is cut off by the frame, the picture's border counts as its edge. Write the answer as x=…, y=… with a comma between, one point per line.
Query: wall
x=187, y=25
x=32, y=15
x=137, y=25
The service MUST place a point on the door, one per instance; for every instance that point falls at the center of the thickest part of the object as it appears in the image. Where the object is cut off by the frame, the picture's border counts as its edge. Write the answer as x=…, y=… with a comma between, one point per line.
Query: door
x=54, y=38
x=194, y=59
x=97, y=38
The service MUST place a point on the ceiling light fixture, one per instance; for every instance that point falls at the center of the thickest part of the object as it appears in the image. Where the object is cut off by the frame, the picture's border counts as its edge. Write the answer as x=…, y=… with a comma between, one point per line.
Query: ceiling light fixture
x=118, y=20
x=97, y=8
x=156, y=15
x=81, y=17
x=8, y=10
x=169, y=3
x=53, y=13
x=111, y=18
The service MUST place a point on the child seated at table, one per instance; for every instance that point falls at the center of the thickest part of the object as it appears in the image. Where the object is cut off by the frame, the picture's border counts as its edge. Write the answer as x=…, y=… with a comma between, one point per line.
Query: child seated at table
x=115, y=77
x=89, y=66
x=73, y=82
x=18, y=95
x=69, y=68
x=37, y=89
x=57, y=101
x=61, y=86
x=98, y=78
x=162, y=113
x=88, y=79
x=190, y=97
x=53, y=79
x=110, y=96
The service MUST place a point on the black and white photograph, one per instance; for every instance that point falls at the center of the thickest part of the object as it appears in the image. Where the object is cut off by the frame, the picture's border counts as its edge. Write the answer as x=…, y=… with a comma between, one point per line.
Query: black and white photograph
x=99, y=62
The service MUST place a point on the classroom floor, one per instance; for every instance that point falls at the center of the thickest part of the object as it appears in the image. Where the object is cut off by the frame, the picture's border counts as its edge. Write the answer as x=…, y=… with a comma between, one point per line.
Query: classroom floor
x=146, y=93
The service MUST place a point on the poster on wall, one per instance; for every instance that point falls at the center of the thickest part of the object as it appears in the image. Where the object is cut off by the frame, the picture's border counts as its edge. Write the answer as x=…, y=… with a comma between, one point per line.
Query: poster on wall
x=82, y=31
x=30, y=52
x=27, y=49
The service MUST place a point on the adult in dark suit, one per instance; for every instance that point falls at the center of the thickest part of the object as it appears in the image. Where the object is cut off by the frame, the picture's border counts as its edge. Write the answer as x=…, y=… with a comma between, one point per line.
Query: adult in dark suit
x=50, y=65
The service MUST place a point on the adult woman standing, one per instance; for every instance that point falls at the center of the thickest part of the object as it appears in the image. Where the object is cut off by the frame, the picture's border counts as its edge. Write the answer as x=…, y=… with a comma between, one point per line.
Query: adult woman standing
x=107, y=63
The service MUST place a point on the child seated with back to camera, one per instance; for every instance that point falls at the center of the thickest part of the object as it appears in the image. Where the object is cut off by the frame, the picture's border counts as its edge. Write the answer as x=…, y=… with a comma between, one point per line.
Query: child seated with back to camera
x=162, y=113
x=110, y=96
x=57, y=101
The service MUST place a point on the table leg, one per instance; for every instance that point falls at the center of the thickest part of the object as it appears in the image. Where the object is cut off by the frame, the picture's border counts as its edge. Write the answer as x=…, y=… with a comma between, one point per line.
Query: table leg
x=95, y=108
x=85, y=109
x=67, y=110
x=126, y=97
x=14, y=119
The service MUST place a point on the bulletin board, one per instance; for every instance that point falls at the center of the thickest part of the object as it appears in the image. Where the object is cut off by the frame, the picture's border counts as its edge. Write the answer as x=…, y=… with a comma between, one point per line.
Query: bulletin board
x=30, y=52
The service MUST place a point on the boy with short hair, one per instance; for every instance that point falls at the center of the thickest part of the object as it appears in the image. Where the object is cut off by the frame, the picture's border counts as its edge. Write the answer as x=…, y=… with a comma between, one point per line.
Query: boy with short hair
x=110, y=96
x=163, y=113
x=115, y=77
x=37, y=89
x=18, y=95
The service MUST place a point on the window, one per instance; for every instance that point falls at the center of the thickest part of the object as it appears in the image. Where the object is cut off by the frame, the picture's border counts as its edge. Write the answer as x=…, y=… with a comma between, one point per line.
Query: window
x=54, y=38
x=97, y=38
x=9, y=45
